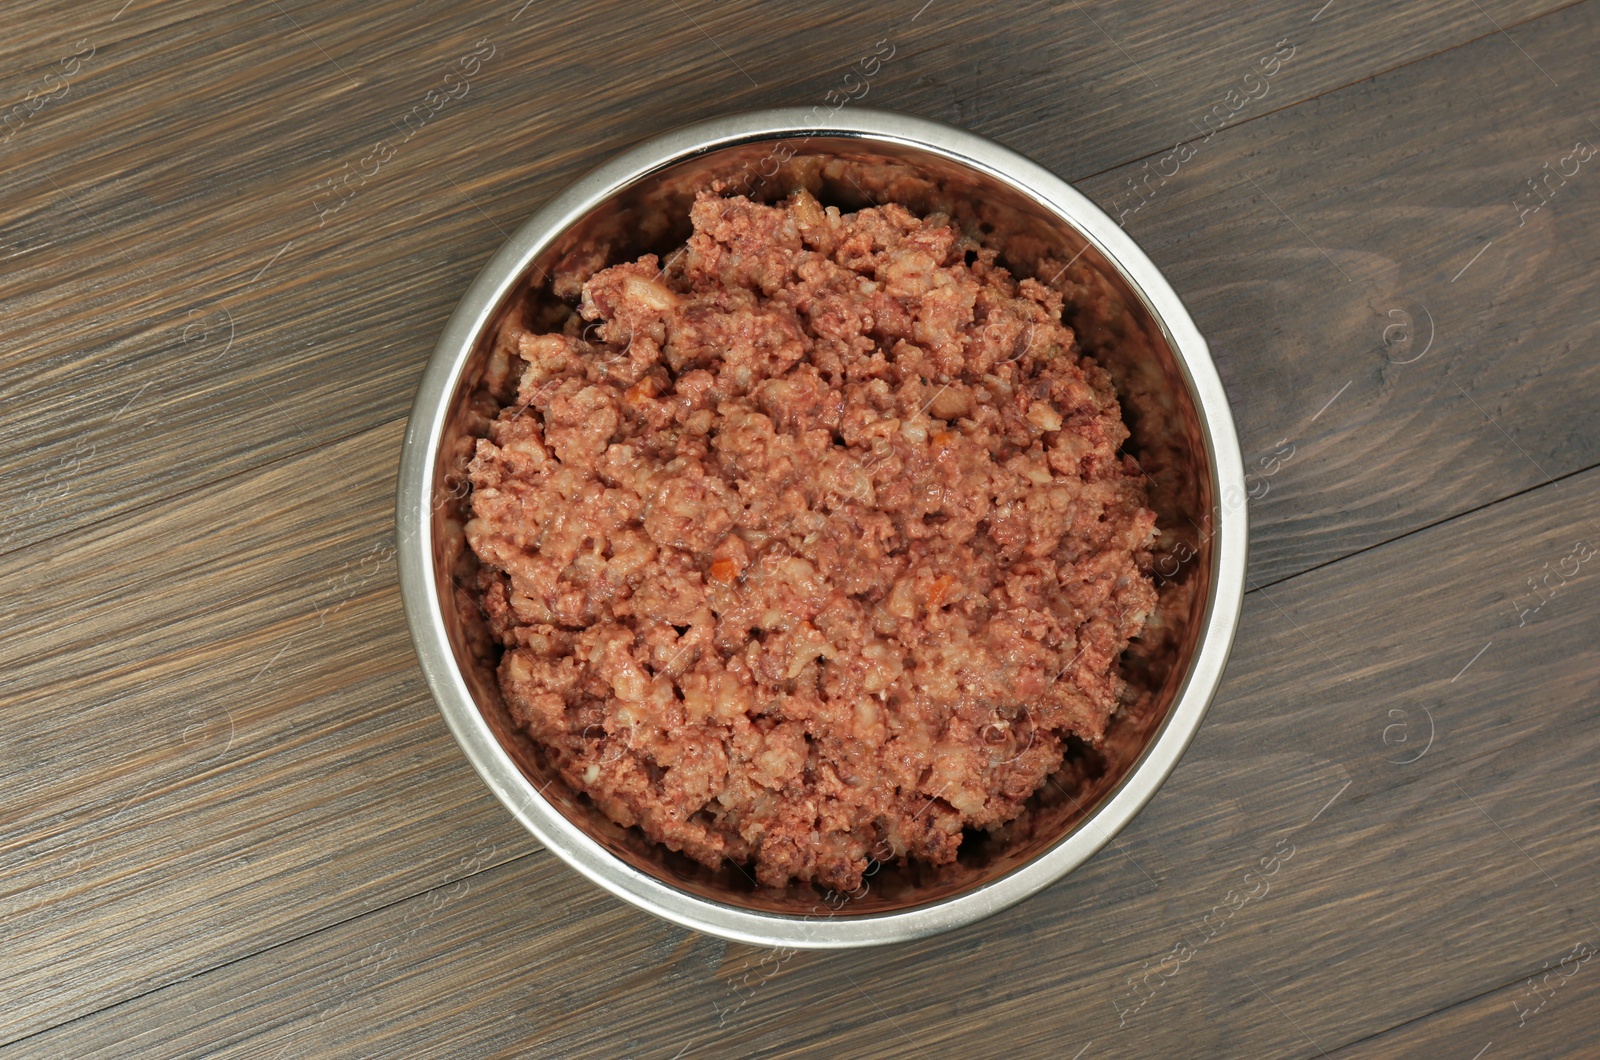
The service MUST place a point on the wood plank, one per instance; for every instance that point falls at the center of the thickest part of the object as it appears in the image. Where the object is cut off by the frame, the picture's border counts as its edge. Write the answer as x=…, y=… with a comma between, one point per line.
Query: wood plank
x=1320, y=250
x=174, y=525
x=215, y=737
x=127, y=336
x=1547, y=1012
x=1467, y=852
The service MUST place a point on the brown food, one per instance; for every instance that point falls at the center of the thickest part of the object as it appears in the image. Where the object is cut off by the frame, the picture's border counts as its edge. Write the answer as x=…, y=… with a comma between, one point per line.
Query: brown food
x=813, y=545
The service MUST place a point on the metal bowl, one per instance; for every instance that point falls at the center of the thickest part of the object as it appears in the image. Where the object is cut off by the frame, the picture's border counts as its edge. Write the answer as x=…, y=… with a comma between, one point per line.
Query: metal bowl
x=1124, y=314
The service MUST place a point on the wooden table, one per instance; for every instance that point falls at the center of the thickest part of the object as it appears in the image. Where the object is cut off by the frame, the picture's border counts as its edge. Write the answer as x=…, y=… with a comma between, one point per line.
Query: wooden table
x=234, y=823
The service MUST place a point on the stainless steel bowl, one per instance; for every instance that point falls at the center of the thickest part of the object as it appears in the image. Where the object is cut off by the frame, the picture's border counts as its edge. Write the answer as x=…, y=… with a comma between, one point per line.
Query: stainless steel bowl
x=1124, y=313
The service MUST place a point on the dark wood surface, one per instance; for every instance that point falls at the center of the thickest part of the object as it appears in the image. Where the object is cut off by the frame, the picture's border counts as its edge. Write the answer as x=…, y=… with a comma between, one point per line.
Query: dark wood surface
x=233, y=821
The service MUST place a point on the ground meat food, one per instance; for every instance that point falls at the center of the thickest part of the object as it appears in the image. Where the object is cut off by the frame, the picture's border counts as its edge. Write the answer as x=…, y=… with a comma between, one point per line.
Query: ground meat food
x=812, y=544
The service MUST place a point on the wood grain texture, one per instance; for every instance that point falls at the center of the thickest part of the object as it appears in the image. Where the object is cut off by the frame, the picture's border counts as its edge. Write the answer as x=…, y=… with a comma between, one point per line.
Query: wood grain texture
x=1373, y=298
x=234, y=823
x=1530, y=1017
x=150, y=204
x=1467, y=851
x=231, y=700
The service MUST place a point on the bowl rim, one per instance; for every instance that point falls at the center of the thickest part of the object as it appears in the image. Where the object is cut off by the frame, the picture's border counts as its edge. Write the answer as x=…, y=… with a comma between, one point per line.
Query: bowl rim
x=1219, y=618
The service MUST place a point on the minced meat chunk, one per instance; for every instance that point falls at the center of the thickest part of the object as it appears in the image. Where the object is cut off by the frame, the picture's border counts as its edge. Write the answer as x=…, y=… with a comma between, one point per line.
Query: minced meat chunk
x=812, y=544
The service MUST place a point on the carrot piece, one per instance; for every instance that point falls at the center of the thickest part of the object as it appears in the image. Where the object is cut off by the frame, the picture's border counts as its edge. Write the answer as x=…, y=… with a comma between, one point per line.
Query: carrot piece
x=939, y=591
